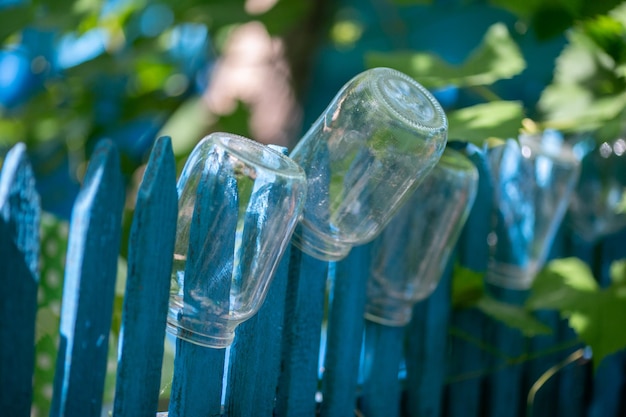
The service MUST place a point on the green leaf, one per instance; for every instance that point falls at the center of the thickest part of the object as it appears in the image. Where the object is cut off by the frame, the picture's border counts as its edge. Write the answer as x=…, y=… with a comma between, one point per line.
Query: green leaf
x=574, y=108
x=588, y=91
x=606, y=32
x=562, y=285
x=618, y=273
x=596, y=315
x=15, y=19
x=467, y=286
x=284, y=15
x=513, y=316
x=550, y=21
x=599, y=322
x=522, y=8
x=499, y=119
x=497, y=57
x=550, y=18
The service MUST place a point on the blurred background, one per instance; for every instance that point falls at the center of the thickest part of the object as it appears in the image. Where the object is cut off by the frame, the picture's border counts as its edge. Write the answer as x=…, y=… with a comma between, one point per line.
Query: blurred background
x=75, y=72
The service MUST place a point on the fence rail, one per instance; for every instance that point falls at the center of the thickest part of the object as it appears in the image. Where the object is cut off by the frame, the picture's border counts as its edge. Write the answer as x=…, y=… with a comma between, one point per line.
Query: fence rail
x=446, y=362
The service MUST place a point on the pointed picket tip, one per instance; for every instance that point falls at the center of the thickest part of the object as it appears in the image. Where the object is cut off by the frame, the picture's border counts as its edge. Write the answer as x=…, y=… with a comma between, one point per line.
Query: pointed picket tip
x=20, y=205
x=19, y=259
x=160, y=167
x=146, y=297
x=89, y=287
x=105, y=160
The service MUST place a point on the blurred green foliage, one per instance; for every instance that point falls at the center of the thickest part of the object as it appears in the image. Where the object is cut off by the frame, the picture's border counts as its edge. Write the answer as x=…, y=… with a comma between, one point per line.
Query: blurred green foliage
x=568, y=286
x=147, y=59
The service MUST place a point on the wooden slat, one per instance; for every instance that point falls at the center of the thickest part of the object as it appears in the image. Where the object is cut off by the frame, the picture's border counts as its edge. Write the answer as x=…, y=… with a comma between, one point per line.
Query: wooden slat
x=199, y=371
x=19, y=279
x=345, y=334
x=609, y=379
x=466, y=359
x=544, y=404
x=89, y=286
x=381, y=387
x=254, y=363
x=505, y=395
x=573, y=380
x=256, y=354
x=426, y=351
x=150, y=254
x=304, y=312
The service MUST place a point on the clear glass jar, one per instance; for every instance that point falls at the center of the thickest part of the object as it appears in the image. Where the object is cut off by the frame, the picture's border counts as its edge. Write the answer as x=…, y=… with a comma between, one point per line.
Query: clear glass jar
x=596, y=208
x=239, y=202
x=376, y=141
x=410, y=255
x=533, y=180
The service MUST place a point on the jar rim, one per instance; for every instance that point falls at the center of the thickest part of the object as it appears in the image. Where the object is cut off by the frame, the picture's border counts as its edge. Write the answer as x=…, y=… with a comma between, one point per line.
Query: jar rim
x=256, y=153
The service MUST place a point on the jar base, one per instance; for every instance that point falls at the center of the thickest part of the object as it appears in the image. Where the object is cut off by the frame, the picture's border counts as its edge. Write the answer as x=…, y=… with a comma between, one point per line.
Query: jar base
x=395, y=313
x=515, y=277
x=219, y=338
x=318, y=246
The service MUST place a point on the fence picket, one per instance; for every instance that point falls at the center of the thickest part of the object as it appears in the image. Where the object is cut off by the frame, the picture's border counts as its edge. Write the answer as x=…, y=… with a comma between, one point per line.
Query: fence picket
x=304, y=315
x=573, y=381
x=89, y=286
x=609, y=380
x=147, y=287
x=383, y=354
x=426, y=351
x=198, y=370
x=504, y=384
x=304, y=311
x=467, y=359
x=345, y=334
x=273, y=365
x=256, y=354
x=19, y=279
x=544, y=404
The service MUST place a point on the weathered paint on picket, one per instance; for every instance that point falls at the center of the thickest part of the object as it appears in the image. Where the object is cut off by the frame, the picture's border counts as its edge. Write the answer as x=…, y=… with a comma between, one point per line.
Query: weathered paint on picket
x=255, y=355
x=304, y=313
x=151, y=245
x=467, y=360
x=382, y=356
x=345, y=334
x=89, y=286
x=198, y=370
x=504, y=383
x=426, y=350
x=19, y=279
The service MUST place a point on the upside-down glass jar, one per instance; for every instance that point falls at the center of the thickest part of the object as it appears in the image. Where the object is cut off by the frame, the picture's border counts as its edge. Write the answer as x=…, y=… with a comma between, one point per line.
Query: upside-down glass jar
x=238, y=204
x=364, y=156
x=533, y=180
x=410, y=255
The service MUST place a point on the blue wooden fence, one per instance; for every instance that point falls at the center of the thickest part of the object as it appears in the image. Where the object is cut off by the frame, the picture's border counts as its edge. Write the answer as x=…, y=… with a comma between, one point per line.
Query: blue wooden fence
x=446, y=362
